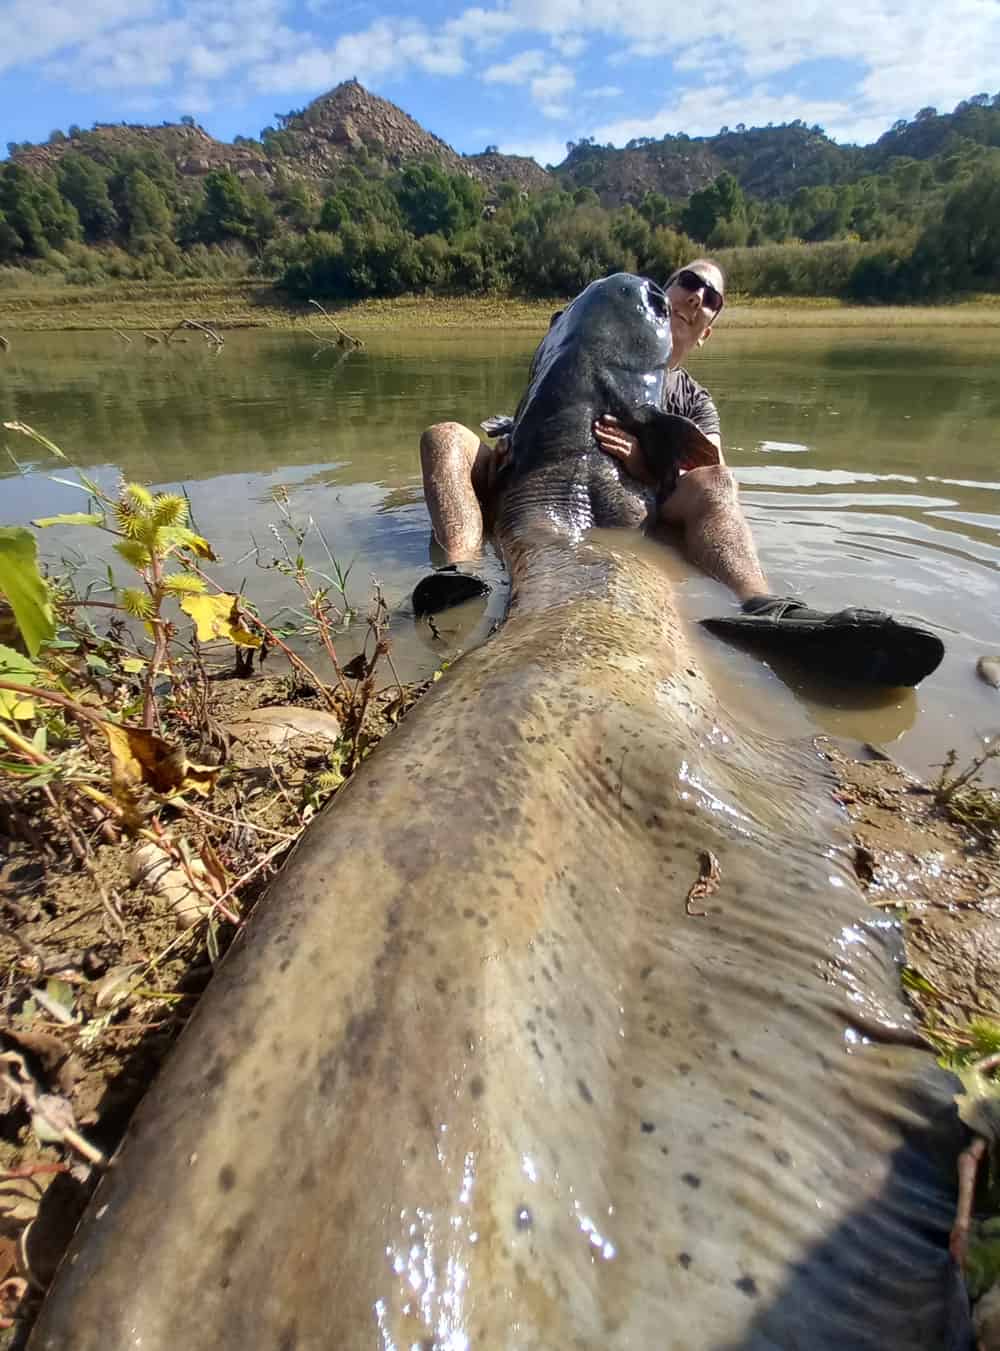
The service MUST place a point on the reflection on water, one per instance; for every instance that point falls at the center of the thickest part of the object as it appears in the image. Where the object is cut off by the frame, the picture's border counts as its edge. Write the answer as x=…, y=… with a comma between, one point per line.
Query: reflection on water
x=868, y=471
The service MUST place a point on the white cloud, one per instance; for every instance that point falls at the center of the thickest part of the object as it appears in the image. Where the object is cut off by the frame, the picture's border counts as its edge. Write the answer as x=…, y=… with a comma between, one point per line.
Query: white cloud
x=387, y=46
x=719, y=61
x=517, y=69
x=484, y=28
x=547, y=91
x=33, y=30
x=570, y=45
x=605, y=91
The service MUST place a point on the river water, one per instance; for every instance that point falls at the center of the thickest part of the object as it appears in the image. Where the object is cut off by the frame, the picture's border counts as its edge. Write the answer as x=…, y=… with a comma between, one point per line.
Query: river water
x=869, y=464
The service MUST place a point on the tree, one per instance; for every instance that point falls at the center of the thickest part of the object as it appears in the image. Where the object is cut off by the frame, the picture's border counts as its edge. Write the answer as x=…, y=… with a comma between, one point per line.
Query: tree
x=34, y=211
x=656, y=208
x=962, y=249
x=226, y=212
x=433, y=202
x=147, y=212
x=722, y=200
x=85, y=183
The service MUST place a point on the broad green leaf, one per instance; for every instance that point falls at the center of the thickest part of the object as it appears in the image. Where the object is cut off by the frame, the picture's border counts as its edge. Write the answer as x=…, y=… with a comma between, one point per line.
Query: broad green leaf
x=24, y=586
x=71, y=518
x=16, y=666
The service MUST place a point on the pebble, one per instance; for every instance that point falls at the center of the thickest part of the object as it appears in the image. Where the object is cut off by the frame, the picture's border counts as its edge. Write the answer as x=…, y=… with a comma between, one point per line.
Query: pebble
x=988, y=669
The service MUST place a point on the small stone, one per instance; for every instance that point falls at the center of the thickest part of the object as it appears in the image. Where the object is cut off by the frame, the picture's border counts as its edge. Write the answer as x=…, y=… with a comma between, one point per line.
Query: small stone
x=988, y=669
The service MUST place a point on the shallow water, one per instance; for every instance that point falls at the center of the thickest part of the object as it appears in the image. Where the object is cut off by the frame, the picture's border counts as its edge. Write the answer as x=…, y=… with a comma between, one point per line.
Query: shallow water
x=869, y=465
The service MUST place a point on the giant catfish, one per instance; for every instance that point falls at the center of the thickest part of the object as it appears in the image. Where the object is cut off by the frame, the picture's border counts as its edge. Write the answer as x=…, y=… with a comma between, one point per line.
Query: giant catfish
x=480, y=1073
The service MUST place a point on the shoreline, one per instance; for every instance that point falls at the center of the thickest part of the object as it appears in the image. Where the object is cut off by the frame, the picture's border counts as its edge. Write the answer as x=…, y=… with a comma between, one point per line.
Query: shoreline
x=131, y=307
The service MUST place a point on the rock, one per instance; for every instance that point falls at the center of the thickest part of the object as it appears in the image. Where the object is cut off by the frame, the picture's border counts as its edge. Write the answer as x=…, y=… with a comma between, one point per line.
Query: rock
x=986, y=1320
x=279, y=725
x=988, y=669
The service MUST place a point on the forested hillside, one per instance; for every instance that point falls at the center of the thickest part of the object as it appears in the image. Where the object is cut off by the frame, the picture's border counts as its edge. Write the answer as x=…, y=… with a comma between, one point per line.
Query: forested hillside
x=350, y=197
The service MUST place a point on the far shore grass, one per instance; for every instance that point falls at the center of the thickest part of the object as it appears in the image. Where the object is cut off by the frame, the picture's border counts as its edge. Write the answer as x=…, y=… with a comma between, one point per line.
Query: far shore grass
x=158, y=306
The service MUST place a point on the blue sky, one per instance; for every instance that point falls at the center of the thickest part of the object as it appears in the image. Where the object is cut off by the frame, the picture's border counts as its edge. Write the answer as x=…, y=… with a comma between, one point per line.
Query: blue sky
x=525, y=75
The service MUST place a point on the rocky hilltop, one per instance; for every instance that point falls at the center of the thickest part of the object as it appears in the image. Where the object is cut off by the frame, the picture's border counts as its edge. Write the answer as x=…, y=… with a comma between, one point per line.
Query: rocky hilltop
x=351, y=125
x=312, y=143
x=192, y=150
x=334, y=127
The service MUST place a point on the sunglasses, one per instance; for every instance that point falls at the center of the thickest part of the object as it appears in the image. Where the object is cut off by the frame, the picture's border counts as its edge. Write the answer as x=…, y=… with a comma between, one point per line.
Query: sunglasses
x=691, y=281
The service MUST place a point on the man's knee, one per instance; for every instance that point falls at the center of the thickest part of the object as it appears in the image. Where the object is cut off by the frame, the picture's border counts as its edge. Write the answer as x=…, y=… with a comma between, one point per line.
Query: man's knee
x=447, y=443
x=710, y=488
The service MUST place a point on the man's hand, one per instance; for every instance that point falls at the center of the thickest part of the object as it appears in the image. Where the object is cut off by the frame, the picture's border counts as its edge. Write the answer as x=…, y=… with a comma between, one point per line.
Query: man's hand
x=615, y=440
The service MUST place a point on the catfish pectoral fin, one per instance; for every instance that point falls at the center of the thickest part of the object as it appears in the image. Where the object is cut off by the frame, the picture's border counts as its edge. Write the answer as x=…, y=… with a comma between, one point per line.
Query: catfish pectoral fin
x=670, y=441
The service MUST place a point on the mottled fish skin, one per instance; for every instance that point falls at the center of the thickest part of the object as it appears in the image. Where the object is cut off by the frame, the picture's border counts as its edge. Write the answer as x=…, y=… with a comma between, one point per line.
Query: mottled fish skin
x=474, y=1078
x=988, y=669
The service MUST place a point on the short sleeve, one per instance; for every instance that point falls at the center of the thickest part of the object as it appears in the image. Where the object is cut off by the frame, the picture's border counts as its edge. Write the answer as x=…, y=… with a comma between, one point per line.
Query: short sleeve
x=689, y=399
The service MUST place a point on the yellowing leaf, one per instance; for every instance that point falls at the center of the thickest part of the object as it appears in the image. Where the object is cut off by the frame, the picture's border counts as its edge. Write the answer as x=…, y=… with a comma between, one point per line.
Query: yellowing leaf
x=216, y=617
x=16, y=706
x=242, y=638
x=211, y=614
x=132, y=665
x=140, y=757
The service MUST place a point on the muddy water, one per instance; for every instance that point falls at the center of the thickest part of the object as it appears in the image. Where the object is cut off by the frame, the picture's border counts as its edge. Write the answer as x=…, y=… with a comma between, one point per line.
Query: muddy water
x=869, y=464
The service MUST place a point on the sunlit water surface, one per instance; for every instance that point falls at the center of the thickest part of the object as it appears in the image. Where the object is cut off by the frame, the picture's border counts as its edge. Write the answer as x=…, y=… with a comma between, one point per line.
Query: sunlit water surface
x=869, y=468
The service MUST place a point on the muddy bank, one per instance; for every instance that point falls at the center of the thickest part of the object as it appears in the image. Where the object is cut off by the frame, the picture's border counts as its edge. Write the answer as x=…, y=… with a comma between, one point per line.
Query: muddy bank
x=106, y=949
x=131, y=307
x=100, y=976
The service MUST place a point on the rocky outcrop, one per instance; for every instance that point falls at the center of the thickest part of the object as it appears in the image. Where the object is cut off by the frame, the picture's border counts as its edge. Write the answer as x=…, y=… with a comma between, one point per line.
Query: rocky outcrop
x=335, y=127
x=194, y=152
x=492, y=168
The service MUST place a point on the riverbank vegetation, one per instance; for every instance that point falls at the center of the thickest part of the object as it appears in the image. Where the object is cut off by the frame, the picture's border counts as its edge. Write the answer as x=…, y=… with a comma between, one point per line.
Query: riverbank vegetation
x=153, y=776
x=923, y=224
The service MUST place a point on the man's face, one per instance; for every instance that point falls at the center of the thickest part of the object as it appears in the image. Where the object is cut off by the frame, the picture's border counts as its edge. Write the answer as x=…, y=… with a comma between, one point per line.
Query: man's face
x=691, y=315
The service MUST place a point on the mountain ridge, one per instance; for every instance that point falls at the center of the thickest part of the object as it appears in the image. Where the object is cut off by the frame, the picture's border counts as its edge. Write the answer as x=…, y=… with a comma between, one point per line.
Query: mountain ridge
x=350, y=125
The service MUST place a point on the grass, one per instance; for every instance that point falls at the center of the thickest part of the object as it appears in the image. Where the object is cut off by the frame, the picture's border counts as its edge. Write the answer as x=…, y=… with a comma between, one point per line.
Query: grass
x=43, y=306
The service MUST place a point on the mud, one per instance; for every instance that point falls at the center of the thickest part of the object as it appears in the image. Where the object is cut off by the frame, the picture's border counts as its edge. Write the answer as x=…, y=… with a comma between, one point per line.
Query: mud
x=58, y=935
